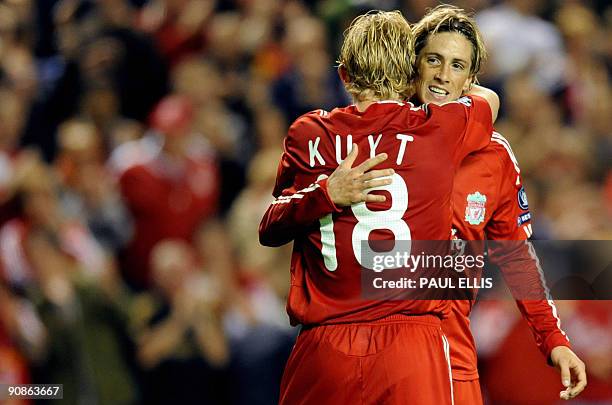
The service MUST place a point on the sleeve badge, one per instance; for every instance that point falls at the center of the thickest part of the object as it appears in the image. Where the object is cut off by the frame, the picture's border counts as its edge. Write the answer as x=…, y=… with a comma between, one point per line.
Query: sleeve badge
x=521, y=198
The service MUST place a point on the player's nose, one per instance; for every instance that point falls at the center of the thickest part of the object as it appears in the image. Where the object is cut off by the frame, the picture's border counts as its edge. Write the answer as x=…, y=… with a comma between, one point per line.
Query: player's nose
x=443, y=73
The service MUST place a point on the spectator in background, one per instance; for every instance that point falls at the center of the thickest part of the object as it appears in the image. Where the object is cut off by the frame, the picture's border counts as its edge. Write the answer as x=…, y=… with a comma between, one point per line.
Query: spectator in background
x=176, y=25
x=559, y=160
x=226, y=130
x=261, y=25
x=519, y=40
x=100, y=105
x=75, y=331
x=17, y=67
x=199, y=80
x=122, y=132
x=89, y=193
x=255, y=321
x=264, y=284
x=258, y=263
x=171, y=193
x=588, y=86
x=116, y=56
x=14, y=368
x=226, y=48
x=181, y=343
x=39, y=213
x=270, y=127
x=100, y=53
x=588, y=97
x=311, y=82
x=14, y=163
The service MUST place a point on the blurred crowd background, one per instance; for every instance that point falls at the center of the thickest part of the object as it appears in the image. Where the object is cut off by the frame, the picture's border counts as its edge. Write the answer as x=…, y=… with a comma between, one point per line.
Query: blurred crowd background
x=139, y=142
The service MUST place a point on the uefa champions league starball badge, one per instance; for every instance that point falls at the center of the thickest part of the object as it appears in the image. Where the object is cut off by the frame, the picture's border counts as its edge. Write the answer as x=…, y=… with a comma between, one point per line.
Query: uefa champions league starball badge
x=475, y=208
x=522, y=199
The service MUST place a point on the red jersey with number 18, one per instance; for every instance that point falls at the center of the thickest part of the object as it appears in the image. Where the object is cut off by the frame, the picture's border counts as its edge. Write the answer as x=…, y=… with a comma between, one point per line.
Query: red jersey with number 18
x=425, y=146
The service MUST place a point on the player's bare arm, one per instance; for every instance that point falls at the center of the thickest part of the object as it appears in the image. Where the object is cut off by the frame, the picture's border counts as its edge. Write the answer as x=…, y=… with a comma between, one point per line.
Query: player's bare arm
x=349, y=185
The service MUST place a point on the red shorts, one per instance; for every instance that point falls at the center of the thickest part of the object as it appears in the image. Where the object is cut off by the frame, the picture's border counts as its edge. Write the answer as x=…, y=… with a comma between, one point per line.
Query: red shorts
x=397, y=360
x=467, y=392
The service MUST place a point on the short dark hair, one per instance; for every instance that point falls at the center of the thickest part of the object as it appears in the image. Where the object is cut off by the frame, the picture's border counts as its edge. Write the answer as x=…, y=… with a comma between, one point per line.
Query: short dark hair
x=447, y=18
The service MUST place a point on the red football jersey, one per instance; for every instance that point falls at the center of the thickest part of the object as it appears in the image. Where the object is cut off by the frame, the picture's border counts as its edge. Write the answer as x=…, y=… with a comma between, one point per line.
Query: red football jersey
x=425, y=146
x=166, y=200
x=489, y=202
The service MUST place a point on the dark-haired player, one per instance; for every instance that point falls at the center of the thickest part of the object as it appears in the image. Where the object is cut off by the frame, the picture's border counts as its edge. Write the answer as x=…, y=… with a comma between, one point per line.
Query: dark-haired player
x=489, y=202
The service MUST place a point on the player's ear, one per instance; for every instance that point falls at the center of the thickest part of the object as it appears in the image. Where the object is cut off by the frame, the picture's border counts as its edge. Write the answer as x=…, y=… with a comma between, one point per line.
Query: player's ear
x=344, y=76
x=469, y=83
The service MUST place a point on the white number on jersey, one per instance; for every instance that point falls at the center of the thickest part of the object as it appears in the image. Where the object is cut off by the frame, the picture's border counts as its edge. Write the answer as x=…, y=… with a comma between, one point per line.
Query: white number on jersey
x=368, y=221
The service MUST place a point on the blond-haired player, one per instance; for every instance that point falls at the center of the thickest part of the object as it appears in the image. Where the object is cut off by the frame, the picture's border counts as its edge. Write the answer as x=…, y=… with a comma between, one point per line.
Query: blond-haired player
x=350, y=349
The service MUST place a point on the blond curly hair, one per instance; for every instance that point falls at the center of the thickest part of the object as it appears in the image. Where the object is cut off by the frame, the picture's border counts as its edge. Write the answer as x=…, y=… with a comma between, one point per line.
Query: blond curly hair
x=378, y=56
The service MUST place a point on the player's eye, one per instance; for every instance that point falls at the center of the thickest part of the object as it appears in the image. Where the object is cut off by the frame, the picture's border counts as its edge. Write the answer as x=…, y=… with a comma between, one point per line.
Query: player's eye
x=433, y=60
x=458, y=66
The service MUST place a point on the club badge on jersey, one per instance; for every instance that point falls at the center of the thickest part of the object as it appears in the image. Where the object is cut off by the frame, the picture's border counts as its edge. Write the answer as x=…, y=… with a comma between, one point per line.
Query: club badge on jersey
x=475, y=208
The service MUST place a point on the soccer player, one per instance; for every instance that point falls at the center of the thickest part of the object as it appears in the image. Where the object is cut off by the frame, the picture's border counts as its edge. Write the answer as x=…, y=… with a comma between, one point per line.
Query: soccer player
x=489, y=202
x=352, y=350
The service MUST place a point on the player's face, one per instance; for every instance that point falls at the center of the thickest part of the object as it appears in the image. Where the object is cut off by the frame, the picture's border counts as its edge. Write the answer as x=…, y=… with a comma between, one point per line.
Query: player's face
x=444, y=68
